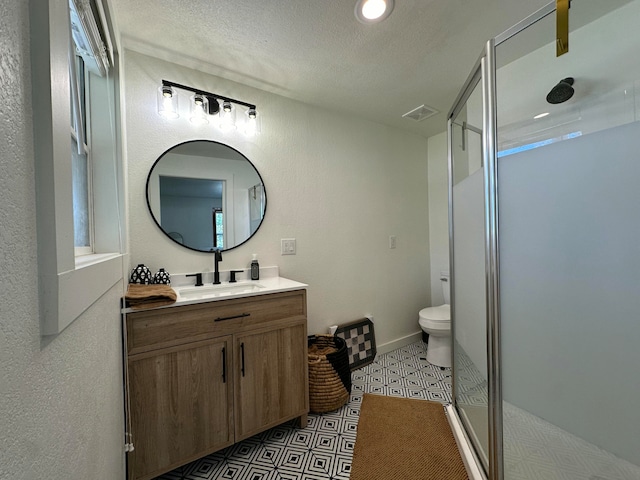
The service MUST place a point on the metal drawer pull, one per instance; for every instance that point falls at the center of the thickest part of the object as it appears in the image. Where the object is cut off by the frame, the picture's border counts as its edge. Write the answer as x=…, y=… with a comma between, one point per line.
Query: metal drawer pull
x=220, y=319
x=242, y=350
x=224, y=365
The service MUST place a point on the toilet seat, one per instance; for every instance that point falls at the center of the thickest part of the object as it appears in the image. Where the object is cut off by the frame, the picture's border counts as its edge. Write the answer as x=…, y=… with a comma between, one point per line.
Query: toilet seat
x=436, y=314
x=435, y=328
x=435, y=319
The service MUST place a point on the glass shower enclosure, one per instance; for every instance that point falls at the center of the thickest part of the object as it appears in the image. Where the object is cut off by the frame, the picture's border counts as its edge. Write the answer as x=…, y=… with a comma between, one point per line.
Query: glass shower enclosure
x=544, y=210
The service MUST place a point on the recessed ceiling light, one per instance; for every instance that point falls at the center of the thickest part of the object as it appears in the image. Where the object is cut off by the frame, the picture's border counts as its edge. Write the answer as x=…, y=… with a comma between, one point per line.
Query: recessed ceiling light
x=540, y=115
x=373, y=11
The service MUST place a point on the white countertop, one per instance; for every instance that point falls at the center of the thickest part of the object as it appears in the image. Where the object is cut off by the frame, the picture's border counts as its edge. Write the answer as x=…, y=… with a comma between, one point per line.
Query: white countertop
x=188, y=294
x=244, y=288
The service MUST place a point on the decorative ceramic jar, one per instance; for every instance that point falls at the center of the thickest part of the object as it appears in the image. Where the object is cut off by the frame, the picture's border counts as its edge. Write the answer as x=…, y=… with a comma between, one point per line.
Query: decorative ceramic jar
x=162, y=277
x=141, y=274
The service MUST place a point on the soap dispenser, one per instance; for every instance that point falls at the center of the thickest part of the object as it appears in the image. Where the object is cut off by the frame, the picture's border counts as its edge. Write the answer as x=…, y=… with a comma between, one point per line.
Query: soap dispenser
x=255, y=268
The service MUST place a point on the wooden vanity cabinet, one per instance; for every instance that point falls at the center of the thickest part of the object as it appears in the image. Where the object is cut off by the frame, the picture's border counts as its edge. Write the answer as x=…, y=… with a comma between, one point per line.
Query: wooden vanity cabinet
x=181, y=406
x=268, y=382
x=202, y=377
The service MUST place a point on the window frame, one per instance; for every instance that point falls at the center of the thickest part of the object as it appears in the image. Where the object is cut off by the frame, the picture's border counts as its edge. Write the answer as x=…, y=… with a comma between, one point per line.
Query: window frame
x=67, y=285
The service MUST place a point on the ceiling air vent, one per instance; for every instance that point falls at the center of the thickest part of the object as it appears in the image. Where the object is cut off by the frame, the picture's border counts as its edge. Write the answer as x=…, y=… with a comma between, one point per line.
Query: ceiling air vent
x=420, y=113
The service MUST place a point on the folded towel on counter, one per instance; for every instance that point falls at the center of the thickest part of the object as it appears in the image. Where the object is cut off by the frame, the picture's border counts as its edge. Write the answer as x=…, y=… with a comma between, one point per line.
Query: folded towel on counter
x=149, y=296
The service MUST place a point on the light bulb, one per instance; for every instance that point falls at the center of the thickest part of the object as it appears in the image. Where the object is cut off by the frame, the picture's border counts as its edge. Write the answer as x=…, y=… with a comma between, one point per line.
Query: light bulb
x=167, y=102
x=252, y=123
x=198, y=109
x=227, y=116
x=373, y=9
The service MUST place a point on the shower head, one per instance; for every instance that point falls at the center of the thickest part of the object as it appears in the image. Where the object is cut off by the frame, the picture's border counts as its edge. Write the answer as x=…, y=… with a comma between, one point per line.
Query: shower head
x=562, y=92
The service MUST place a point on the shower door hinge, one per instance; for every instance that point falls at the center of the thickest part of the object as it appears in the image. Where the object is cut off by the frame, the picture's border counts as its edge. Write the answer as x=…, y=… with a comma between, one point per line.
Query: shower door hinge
x=562, y=26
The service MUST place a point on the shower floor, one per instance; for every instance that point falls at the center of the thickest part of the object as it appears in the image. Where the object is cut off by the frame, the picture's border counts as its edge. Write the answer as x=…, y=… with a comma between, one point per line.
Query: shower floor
x=533, y=448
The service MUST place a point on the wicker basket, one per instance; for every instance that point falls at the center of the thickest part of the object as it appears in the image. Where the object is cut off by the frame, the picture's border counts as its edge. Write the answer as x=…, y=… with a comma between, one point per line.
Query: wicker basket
x=329, y=373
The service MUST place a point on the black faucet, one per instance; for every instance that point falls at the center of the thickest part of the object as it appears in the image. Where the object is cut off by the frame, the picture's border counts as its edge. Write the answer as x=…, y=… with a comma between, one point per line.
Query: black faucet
x=217, y=257
x=232, y=275
x=198, y=278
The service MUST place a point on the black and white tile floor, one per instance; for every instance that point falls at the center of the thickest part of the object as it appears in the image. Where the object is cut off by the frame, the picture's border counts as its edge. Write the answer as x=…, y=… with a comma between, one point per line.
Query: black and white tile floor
x=324, y=449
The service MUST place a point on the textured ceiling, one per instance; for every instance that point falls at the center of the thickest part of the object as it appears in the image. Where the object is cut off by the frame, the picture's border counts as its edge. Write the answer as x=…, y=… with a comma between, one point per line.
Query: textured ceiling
x=317, y=52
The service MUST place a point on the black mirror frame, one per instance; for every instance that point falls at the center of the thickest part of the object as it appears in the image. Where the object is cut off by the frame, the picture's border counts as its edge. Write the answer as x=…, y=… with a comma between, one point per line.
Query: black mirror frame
x=167, y=233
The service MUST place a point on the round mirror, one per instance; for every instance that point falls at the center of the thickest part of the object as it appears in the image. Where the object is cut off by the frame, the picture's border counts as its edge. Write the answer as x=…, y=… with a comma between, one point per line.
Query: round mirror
x=206, y=196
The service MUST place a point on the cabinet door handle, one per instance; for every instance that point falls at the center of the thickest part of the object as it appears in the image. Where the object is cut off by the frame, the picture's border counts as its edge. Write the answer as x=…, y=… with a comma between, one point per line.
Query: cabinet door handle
x=242, y=357
x=220, y=319
x=224, y=365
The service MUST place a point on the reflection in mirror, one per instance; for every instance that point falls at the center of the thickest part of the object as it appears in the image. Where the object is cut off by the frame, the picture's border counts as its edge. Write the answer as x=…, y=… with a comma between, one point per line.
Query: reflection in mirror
x=206, y=196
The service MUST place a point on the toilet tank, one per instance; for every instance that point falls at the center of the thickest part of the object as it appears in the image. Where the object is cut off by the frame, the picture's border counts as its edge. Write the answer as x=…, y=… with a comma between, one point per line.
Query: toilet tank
x=444, y=279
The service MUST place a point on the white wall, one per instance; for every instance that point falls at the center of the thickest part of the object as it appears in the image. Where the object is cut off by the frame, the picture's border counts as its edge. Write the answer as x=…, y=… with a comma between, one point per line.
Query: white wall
x=438, y=213
x=339, y=185
x=60, y=400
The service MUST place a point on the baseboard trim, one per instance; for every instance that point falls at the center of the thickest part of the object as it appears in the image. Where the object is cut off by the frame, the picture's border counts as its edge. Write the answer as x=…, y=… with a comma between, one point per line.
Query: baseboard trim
x=399, y=343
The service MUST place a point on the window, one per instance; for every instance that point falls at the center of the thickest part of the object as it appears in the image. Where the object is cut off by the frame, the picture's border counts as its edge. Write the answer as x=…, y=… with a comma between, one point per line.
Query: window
x=80, y=160
x=218, y=229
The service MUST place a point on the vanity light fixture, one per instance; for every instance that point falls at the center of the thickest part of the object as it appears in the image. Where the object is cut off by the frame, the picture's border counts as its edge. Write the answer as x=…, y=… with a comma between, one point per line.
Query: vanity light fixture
x=373, y=11
x=168, y=101
x=199, y=106
x=252, y=123
x=227, y=116
x=207, y=104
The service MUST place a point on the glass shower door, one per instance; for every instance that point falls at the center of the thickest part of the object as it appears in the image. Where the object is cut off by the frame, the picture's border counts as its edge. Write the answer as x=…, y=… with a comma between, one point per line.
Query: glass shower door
x=568, y=134
x=468, y=299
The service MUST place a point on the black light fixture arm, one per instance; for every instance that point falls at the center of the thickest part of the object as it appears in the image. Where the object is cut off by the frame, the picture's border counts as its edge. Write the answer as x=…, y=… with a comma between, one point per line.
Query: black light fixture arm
x=166, y=83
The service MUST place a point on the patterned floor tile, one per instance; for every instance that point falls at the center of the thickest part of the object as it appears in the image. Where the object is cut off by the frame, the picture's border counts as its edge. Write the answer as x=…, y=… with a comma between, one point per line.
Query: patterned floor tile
x=301, y=439
x=269, y=455
x=294, y=459
x=342, y=466
x=233, y=470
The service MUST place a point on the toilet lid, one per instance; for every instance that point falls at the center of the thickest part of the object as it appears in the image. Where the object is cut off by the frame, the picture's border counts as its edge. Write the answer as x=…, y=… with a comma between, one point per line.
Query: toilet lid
x=441, y=313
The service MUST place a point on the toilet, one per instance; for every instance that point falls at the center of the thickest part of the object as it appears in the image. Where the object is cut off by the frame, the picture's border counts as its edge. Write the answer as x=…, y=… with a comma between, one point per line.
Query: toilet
x=436, y=322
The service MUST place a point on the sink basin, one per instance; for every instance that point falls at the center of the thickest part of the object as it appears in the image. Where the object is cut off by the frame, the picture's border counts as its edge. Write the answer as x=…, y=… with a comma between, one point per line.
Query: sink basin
x=215, y=291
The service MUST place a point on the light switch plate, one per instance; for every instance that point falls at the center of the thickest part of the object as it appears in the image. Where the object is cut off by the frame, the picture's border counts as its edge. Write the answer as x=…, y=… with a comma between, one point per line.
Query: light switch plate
x=288, y=246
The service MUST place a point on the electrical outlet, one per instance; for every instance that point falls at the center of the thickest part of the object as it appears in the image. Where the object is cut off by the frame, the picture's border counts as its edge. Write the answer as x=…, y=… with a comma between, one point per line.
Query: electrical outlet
x=392, y=241
x=288, y=246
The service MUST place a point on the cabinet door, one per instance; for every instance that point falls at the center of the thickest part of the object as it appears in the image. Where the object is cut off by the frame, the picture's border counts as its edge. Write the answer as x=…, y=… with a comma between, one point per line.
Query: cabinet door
x=271, y=377
x=181, y=405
